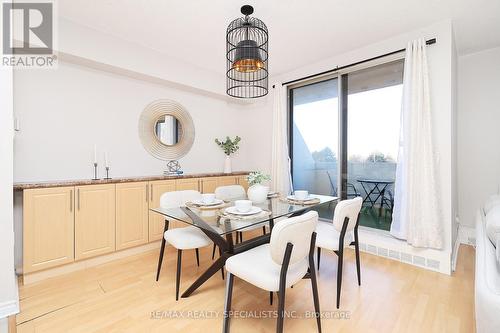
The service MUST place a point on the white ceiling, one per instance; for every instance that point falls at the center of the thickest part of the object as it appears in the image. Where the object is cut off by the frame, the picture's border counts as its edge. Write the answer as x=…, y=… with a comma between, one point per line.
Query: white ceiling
x=301, y=32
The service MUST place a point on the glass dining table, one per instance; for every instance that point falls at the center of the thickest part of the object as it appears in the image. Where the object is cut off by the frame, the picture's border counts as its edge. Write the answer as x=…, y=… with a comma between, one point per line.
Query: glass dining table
x=220, y=226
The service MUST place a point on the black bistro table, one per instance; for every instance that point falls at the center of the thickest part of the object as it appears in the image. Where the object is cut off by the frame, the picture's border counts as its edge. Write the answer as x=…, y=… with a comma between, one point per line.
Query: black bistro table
x=220, y=228
x=374, y=190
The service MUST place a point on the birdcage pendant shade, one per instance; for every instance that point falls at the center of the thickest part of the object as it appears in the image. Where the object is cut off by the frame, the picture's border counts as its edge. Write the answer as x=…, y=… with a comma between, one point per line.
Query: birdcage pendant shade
x=247, y=56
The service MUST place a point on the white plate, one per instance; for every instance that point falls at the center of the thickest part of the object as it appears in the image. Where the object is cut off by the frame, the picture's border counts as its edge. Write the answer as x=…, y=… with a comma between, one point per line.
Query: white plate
x=214, y=203
x=292, y=197
x=234, y=211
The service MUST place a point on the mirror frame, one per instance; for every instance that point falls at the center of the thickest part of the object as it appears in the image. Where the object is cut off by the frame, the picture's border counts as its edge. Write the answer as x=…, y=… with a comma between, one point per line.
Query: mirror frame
x=147, y=122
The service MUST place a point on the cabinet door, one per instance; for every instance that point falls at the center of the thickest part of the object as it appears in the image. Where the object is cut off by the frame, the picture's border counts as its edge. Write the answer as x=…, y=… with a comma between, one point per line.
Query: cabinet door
x=226, y=180
x=242, y=180
x=131, y=214
x=48, y=226
x=187, y=184
x=94, y=220
x=157, y=221
x=208, y=185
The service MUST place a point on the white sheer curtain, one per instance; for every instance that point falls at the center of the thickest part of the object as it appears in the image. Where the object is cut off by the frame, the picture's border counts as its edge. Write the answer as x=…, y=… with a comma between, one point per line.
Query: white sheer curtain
x=417, y=215
x=280, y=173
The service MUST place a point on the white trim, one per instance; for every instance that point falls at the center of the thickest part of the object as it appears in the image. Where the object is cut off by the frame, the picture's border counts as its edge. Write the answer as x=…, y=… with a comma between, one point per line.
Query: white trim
x=9, y=308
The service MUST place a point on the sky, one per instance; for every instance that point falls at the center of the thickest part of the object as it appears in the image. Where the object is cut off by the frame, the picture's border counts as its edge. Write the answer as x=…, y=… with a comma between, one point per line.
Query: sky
x=373, y=116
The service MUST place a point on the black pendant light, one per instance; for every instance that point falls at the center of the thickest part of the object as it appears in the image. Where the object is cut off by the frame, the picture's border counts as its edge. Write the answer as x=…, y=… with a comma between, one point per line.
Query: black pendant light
x=247, y=43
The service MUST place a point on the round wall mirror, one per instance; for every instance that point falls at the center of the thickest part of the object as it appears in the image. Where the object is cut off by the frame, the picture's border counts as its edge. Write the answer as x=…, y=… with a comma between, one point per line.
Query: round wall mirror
x=166, y=129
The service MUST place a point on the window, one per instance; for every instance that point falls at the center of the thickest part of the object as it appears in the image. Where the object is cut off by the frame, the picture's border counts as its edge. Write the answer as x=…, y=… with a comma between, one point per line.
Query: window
x=357, y=137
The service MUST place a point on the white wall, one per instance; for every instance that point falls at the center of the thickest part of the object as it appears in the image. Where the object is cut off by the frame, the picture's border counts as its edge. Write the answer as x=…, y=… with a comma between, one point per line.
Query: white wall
x=440, y=57
x=8, y=287
x=478, y=131
x=64, y=112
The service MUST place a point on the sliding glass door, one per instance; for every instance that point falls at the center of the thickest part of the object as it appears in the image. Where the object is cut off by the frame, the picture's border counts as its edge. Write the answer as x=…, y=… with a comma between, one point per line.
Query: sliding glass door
x=314, y=138
x=374, y=107
x=367, y=133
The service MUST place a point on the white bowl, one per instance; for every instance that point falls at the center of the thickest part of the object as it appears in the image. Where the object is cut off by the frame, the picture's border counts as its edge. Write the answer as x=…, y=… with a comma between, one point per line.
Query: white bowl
x=243, y=206
x=301, y=195
x=208, y=198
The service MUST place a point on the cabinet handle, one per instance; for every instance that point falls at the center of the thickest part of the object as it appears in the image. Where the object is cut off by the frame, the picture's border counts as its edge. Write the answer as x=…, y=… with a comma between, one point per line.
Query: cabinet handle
x=147, y=192
x=78, y=198
x=151, y=193
x=71, y=200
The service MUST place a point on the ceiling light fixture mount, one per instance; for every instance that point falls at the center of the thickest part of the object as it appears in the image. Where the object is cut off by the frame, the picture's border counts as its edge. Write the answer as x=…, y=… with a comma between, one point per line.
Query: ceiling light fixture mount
x=246, y=56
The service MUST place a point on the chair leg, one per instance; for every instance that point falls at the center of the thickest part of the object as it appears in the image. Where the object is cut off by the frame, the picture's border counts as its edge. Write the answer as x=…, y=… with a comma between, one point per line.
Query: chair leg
x=197, y=257
x=356, y=249
x=213, y=252
x=160, y=259
x=271, y=298
x=264, y=230
x=281, y=310
x=318, y=253
x=227, y=303
x=339, y=276
x=314, y=285
x=178, y=276
x=241, y=236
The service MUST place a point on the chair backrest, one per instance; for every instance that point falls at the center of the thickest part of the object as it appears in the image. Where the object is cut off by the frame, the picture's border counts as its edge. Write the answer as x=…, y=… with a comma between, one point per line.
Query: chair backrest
x=178, y=198
x=296, y=230
x=230, y=192
x=347, y=208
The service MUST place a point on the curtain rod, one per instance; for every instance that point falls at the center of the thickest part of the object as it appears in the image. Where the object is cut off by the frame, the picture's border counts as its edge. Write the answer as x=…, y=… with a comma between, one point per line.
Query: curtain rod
x=427, y=42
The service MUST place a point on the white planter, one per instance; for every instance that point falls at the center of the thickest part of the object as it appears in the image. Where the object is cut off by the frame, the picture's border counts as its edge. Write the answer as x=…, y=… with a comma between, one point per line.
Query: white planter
x=227, y=165
x=258, y=193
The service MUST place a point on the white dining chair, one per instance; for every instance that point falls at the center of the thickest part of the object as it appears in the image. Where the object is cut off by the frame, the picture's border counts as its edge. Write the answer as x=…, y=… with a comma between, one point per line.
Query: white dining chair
x=332, y=236
x=185, y=238
x=278, y=265
x=230, y=193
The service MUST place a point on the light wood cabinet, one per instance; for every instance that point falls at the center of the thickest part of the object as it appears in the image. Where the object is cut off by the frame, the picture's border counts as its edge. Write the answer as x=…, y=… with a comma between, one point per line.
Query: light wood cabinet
x=242, y=180
x=226, y=180
x=187, y=184
x=157, y=221
x=69, y=223
x=132, y=207
x=208, y=185
x=94, y=220
x=48, y=228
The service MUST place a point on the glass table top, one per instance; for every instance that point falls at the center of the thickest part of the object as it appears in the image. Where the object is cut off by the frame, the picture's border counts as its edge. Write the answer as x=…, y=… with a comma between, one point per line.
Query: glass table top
x=217, y=220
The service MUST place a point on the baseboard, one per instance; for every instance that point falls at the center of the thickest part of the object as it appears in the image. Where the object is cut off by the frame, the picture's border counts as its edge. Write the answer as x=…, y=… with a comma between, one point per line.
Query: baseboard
x=9, y=308
x=465, y=235
x=87, y=263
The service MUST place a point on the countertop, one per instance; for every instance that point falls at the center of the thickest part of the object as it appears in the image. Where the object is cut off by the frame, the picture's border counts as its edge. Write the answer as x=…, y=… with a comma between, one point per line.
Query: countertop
x=76, y=182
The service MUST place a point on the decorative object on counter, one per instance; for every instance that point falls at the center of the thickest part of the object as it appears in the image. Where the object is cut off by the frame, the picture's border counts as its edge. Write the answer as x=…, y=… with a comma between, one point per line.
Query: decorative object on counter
x=257, y=192
x=166, y=130
x=107, y=173
x=106, y=165
x=95, y=172
x=229, y=147
x=173, y=168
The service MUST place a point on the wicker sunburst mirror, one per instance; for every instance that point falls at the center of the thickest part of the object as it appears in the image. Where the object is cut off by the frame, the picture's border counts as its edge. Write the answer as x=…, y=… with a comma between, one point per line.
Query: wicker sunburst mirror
x=166, y=130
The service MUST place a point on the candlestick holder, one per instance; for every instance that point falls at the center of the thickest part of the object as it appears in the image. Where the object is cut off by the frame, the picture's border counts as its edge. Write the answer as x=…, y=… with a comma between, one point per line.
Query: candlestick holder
x=107, y=173
x=95, y=172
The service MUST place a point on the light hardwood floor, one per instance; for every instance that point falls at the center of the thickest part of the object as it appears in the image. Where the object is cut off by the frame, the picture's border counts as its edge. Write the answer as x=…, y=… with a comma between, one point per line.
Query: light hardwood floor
x=121, y=297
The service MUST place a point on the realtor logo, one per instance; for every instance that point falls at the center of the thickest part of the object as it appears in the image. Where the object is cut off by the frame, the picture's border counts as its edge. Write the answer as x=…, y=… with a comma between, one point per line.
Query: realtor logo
x=28, y=34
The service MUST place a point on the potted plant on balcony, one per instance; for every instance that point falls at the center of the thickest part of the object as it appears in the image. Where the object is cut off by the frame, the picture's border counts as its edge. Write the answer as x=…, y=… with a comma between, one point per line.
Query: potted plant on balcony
x=257, y=192
x=229, y=147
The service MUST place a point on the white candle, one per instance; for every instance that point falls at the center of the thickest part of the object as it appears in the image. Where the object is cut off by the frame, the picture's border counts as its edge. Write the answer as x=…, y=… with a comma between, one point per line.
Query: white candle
x=95, y=154
x=106, y=159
